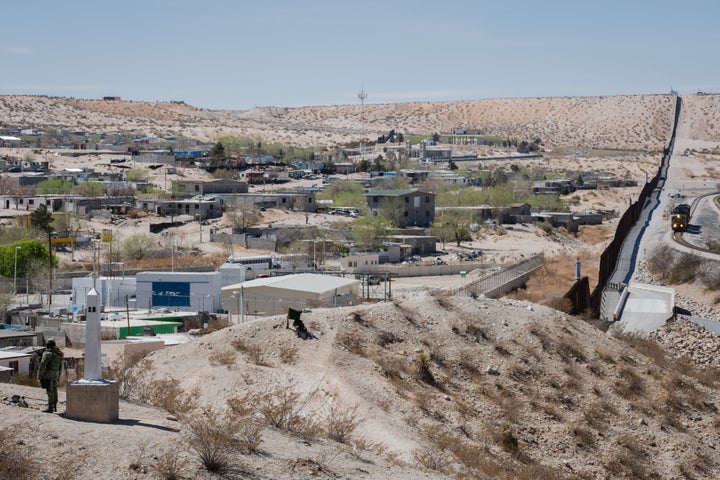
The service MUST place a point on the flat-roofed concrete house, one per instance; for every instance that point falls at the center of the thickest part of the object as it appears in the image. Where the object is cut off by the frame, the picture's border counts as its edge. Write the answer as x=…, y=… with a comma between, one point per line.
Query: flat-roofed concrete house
x=202, y=207
x=190, y=188
x=409, y=207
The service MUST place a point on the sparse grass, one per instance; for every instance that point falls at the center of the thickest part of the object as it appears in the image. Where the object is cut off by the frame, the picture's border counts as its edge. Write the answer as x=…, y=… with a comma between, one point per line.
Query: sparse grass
x=288, y=354
x=170, y=466
x=252, y=350
x=508, y=440
x=630, y=386
x=384, y=338
x=15, y=462
x=222, y=357
x=352, y=341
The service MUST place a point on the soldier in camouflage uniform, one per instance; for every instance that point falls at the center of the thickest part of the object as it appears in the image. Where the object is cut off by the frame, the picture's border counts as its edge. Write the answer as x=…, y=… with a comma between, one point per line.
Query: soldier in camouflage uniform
x=49, y=373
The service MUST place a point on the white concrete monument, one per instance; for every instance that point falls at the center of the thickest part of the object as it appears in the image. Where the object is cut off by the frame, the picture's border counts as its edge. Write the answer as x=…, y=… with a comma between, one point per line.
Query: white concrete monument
x=93, y=398
x=93, y=355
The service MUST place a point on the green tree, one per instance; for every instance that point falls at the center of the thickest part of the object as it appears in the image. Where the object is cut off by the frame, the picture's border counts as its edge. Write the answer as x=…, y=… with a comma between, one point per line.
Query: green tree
x=42, y=219
x=138, y=246
x=218, y=151
x=242, y=215
x=452, y=225
x=136, y=175
x=89, y=189
x=27, y=251
x=54, y=186
x=369, y=231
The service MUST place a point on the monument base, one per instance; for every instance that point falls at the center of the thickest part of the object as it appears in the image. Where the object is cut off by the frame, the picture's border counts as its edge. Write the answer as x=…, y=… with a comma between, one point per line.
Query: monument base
x=93, y=401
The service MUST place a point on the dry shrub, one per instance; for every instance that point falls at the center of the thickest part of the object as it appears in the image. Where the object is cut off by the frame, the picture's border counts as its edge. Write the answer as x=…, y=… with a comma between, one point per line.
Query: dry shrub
x=684, y=268
x=222, y=357
x=352, y=341
x=585, y=438
x=340, y=423
x=444, y=300
x=384, y=338
x=660, y=261
x=646, y=346
x=559, y=303
x=213, y=326
x=252, y=350
x=170, y=466
x=288, y=354
x=15, y=461
x=168, y=395
x=211, y=435
x=630, y=386
x=279, y=408
x=709, y=273
x=508, y=441
x=435, y=450
x=129, y=373
x=249, y=434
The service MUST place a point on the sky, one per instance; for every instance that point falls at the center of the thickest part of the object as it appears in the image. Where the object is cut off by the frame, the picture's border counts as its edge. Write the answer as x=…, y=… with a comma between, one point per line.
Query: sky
x=224, y=54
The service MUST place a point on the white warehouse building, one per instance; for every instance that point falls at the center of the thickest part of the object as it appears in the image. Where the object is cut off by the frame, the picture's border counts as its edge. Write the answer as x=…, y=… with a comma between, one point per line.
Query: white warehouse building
x=274, y=295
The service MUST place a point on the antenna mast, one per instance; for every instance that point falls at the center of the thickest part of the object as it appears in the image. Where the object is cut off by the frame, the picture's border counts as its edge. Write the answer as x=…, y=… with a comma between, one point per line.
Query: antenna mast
x=362, y=96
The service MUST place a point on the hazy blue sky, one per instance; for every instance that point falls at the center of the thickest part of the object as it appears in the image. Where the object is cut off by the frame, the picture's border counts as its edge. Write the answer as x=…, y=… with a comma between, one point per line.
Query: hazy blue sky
x=224, y=54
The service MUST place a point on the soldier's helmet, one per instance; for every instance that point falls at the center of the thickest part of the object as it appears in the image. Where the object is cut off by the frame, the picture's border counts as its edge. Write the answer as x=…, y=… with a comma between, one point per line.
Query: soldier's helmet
x=50, y=344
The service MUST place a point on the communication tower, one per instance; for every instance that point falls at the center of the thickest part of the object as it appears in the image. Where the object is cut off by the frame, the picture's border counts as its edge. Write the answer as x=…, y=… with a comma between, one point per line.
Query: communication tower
x=362, y=96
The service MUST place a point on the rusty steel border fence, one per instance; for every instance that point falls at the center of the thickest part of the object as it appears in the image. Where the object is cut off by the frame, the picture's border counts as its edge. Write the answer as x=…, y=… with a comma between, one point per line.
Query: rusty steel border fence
x=608, y=260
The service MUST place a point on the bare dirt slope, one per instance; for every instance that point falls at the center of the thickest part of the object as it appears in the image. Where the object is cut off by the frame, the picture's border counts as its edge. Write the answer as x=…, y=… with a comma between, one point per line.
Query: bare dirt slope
x=509, y=390
x=638, y=122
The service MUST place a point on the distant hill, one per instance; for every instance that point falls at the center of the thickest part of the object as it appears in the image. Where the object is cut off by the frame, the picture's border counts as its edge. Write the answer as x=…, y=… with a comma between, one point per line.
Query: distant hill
x=628, y=122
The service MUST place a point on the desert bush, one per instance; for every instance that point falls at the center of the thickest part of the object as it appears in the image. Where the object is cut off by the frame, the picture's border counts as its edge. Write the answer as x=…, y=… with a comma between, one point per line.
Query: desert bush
x=288, y=354
x=340, y=423
x=211, y=435
x=584, y=437
x=559, y=303
x=213, y=326
x=684, y=268
x=278, y=407
x=170, y=466
x=660, y=261
x=222, y=357
x=630, y=385
x=351, y=340
x=129, y=373
x=15, y=462
x=508, y=441
x=250, y=433
x=168, y=395
x=545, y=227
x=252, y=350
x=385, y=338
x=709, y=274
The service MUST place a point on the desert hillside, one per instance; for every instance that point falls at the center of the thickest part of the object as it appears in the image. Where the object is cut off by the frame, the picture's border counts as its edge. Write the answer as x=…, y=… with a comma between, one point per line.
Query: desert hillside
x=629, y=122
x=424, y=386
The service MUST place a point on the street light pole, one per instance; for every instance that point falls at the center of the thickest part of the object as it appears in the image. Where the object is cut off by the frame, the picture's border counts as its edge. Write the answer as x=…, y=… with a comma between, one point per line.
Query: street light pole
x=15, y=272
